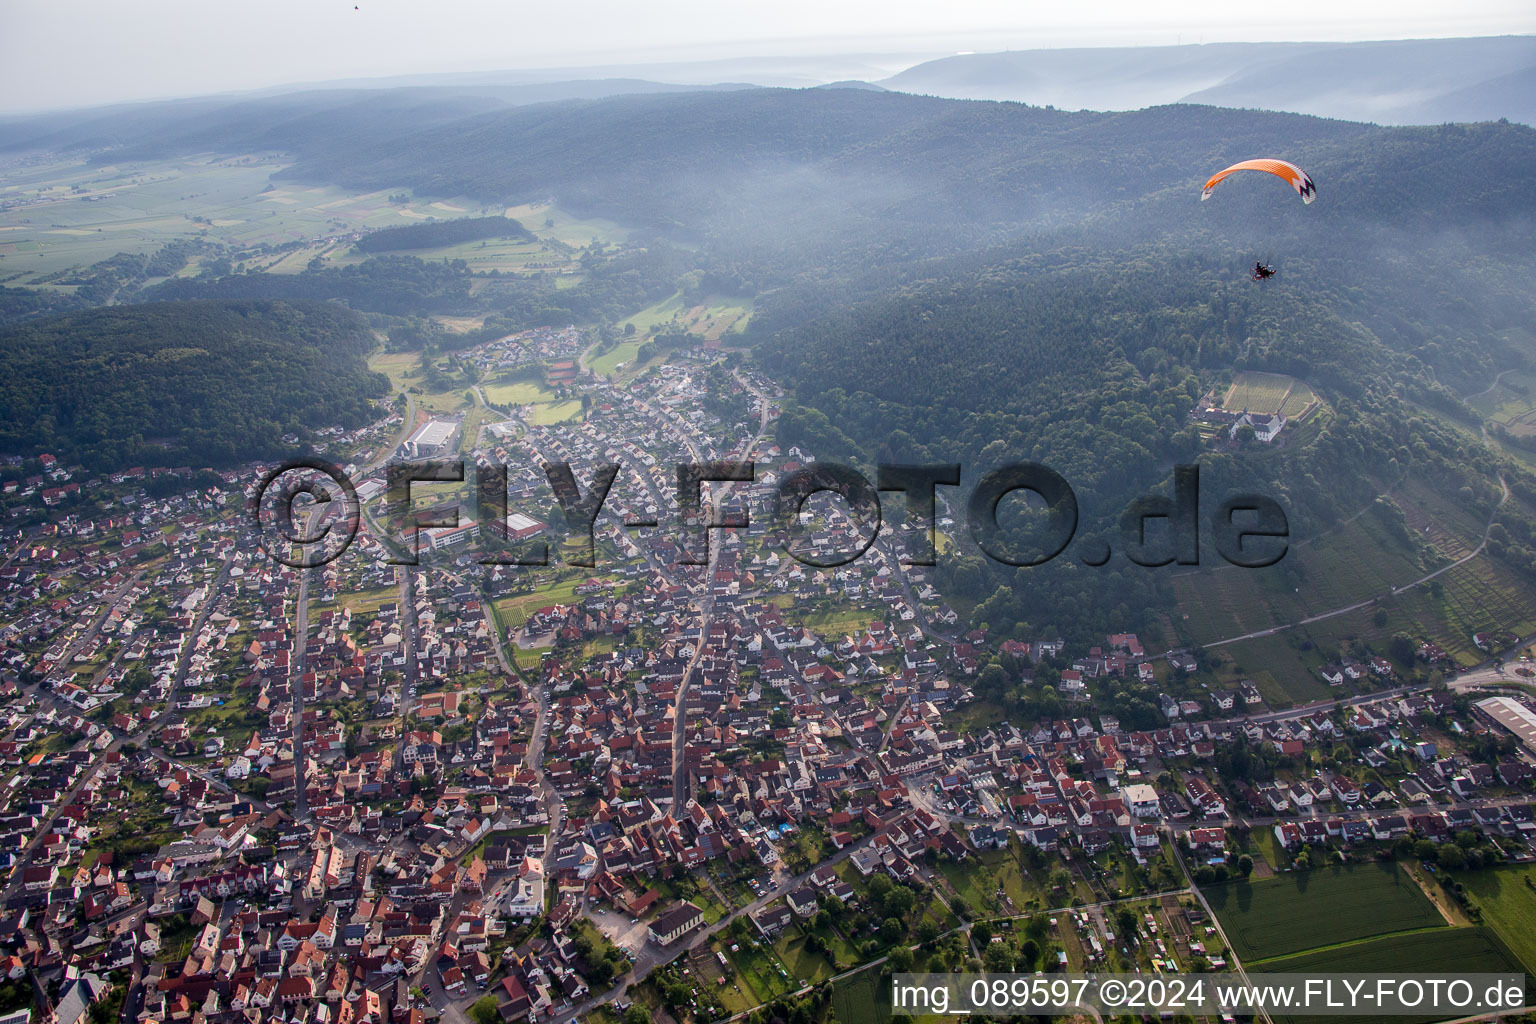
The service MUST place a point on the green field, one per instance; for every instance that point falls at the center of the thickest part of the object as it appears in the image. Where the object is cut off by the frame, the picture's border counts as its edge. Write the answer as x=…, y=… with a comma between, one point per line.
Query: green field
x=1304, y=910
x=403, y=371
x=503, y=255
x=513, y=611
x=1357, y=561
x=1510, y=403
x=547, y=413
x=1509, y=907
x=1362, y=558
x=71, y=213
x=522, y=392
x=607, y=364
x=553, y=223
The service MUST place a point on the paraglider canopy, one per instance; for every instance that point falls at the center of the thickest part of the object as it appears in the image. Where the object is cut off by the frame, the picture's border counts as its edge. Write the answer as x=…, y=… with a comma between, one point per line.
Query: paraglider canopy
x=1298, y=178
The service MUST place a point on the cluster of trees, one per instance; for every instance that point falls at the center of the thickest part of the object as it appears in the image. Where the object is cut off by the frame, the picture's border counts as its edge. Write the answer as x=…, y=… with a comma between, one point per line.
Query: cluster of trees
x=395, y=284
x=438, y=233
x=407, y=287
x=601, y=960
x=118, y=276
x=17, y=304
x=201, y=383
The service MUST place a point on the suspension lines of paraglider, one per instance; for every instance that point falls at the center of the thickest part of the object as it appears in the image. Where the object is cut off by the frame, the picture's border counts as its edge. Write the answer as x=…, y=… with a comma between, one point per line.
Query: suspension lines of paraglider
x=1298, y=179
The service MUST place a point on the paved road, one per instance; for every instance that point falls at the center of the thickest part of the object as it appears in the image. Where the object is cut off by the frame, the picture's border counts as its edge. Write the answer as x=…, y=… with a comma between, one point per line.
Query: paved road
x=706, y=611
x=1237, y=965
x=297, y=667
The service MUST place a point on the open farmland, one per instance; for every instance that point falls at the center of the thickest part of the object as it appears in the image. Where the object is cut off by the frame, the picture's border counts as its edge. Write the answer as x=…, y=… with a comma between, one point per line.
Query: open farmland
x=1303, y=910
x=74, y=213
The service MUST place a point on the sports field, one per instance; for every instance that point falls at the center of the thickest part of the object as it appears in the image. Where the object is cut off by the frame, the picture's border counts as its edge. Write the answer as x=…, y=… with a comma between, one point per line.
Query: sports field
x=1305, y=910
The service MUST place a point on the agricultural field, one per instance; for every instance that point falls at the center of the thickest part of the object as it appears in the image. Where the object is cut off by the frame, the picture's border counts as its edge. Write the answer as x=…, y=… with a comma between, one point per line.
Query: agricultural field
x=483, y=256
x=1443, y=951
x=1508, y=902
x=862, y=999
x=404, y=373
x=513, y=611
x=74, y=214
x=1481, y=595
x=1363, y=558
x=1357, y=561
x=550, y=222
x=1323, y=907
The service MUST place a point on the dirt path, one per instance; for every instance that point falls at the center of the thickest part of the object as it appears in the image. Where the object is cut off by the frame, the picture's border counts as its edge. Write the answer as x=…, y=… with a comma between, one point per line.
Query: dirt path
x=1451, y=912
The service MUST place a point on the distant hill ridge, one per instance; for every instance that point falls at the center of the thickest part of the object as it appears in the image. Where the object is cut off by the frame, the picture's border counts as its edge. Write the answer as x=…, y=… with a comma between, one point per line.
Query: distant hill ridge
x=1410, y=81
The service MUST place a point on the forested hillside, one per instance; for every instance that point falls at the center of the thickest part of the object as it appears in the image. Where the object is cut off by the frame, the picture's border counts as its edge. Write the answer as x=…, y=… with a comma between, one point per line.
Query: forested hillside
x=201, y=383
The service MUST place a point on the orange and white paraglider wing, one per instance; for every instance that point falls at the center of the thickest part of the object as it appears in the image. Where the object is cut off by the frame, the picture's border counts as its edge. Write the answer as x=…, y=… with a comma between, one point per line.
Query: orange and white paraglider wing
x=1298, y=178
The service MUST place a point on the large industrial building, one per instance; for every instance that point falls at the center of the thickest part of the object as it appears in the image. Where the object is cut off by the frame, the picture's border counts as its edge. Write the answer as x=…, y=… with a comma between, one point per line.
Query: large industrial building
x=1512, y=715
x=430, y=440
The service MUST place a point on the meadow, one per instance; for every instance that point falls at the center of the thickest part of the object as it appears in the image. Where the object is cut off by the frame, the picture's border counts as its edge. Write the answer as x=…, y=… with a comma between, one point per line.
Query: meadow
x=1509, y=906
x=711, y=319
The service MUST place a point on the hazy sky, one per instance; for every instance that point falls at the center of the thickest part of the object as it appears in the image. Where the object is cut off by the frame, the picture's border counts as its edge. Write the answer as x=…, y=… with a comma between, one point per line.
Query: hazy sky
x=89, y=52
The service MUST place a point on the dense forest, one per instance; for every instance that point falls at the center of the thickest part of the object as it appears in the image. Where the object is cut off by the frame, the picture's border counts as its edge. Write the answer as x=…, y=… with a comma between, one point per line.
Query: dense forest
x=1091, y=366
x=439, y=233
x=18, y=304
x=201, y=383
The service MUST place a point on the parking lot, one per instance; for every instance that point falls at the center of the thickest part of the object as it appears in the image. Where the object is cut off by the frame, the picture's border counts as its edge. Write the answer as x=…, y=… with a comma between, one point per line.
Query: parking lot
x=624, y=932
